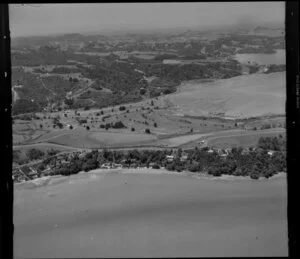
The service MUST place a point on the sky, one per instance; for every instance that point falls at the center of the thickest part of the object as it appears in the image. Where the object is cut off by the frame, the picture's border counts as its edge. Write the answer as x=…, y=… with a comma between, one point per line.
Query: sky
x=47, y=19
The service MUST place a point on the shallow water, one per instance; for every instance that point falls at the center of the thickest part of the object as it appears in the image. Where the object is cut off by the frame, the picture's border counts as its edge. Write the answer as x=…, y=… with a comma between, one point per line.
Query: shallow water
x=150, y=215
x=277, y=58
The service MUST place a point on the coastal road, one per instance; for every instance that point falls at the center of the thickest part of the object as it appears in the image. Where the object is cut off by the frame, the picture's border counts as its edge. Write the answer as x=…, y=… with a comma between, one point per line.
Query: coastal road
x=173, y=142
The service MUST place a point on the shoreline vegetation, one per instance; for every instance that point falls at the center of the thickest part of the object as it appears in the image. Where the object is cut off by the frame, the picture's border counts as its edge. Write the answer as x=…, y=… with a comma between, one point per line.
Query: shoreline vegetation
x=265, y=160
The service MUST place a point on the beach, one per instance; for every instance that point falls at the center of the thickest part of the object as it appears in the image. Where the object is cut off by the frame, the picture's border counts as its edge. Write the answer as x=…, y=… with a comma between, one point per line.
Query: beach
x=149, y=213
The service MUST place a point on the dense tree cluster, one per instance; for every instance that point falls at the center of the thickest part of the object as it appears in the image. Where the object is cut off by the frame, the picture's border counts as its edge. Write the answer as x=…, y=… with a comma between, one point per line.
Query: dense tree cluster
x=52, y=152
x=116, y=125
x=16, y=155
x=272, y=143
x=256, y=162
x=33, y=97
x=64, y=70
x=57, y=123
x=82, y=121
x=34, y=154
x=124, y=78
x=24, y=106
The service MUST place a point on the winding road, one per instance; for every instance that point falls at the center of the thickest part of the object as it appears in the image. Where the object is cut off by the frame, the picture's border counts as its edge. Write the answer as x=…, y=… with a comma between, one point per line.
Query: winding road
x=164, y=145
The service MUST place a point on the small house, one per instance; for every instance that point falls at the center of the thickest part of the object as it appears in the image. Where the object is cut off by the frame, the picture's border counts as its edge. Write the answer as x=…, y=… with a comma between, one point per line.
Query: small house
x=227, y=151
x=223, y=156
x=271, y=152
x=220, y=151
x=33, y=171
x=184, y=157
x=46, y=171
x=81, y=155
x=115, y=165
x=124, y=161
x=245, y=151
x=104, y=167
x=201, y=142
x=25, y=170
x=170, y=158
x=64, y=162
x=152, y=164
x=133, y=160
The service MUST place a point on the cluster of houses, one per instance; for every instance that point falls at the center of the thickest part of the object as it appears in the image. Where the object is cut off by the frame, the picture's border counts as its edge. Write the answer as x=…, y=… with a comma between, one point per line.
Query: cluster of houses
x=133, y=163
x=245, y=151
x=221, y=152
x=26, y=173
x=182, y=158
x=111, y=166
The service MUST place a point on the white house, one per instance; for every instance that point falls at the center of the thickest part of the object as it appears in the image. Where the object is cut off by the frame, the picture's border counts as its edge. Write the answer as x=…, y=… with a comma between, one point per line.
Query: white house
x=105, y=166
x=271, y=152
x=184, y=157
x=223, y=155
x=33, y=171
x=170, y=158
x=245, y=151
x=115, y=165
x=228, y=150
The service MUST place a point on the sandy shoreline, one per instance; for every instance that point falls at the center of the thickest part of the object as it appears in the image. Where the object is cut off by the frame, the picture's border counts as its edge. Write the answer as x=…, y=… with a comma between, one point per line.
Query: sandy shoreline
x=42, y=181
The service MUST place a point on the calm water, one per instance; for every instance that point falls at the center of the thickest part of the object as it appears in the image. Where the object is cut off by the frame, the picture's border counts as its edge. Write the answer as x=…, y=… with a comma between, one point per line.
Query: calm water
x=277, y=58
x=150, y=215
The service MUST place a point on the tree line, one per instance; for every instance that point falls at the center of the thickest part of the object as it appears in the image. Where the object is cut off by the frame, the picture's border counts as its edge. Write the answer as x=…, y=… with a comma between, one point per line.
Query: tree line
x=256, y=162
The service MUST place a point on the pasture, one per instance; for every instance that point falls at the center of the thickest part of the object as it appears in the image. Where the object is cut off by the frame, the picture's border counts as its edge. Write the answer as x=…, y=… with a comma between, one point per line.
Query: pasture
x=240, y=140
x=242, y=96
x=98, y=139
x=231, y=138
x=43, y=147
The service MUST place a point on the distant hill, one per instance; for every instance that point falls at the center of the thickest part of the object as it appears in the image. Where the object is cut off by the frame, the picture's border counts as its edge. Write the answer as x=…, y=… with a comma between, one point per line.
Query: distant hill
x=45, y=40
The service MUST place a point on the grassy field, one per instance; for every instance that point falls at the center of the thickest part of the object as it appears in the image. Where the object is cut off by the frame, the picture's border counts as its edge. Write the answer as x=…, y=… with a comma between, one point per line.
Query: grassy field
x=240, y=141
x=159, y=118
x=176, y=141
x=44, y=147
x=90, y=139
x=232, y=138
x=237, y=97
x=171, y=130
x=241, y=96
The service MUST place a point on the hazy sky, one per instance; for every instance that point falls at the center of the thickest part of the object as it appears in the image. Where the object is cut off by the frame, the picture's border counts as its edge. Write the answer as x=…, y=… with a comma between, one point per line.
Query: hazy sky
x=68, y=18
